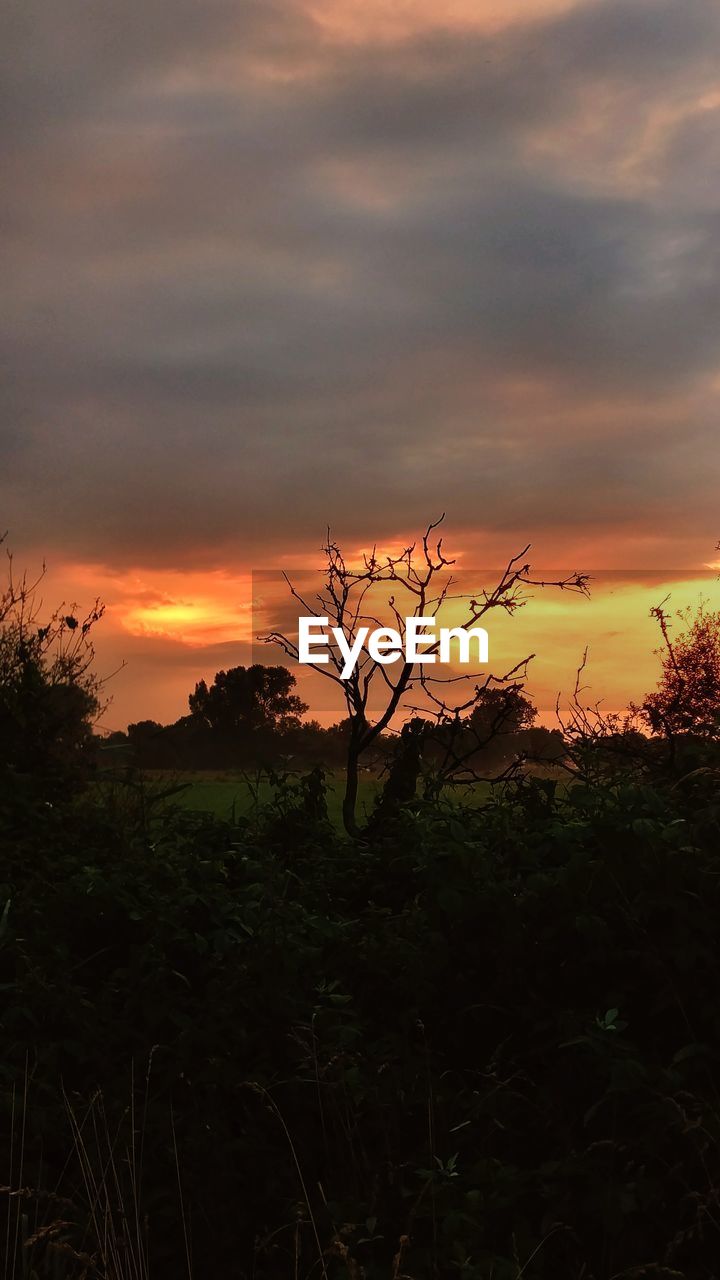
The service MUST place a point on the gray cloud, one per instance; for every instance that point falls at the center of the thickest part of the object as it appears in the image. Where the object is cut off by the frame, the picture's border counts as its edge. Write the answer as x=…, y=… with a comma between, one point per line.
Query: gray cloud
x=258, y=280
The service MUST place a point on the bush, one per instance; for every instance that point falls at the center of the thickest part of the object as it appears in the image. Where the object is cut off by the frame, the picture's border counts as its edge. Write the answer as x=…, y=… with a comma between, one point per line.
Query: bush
x=49, y=695
x=482, y=1043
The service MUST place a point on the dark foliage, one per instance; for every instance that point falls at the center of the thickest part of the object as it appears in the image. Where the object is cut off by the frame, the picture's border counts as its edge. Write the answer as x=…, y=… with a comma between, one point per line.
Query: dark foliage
x=687, y=699
x=478, y=1041
x=245, y=699
x=485, y=1039
x=49, y=694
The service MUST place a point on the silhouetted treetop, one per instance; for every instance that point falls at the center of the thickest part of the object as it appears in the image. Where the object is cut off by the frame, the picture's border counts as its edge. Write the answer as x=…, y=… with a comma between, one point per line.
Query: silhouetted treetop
x=687, y=699
x=247, y=699
x=49, y=694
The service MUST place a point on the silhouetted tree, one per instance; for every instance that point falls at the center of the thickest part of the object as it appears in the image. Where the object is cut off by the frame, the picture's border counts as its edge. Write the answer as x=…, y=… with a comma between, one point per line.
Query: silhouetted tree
x=148, y=740
x=418, y=578
x=142, y=730
x=244, y=700
x=501, y=710
x=687, y=699
x=493, y=734
x=49, y=695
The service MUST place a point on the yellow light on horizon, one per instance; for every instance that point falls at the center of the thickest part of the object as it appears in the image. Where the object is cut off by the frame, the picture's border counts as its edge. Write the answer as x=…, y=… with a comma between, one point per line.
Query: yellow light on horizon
x=165, y=619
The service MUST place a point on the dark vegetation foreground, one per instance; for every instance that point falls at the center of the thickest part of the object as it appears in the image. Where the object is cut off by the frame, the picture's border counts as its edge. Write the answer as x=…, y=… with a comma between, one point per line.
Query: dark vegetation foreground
x=477, y=1037
x=480, y=1042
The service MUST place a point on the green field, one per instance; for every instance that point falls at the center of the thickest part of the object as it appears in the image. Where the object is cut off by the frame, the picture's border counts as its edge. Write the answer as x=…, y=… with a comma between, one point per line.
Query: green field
x=232, y=795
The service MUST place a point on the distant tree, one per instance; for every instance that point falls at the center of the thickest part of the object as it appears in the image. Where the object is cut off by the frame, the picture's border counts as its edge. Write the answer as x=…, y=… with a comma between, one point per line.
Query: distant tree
x=494, y=734
x=307, y=744
x=245, y=700
x=501, y=709
x=147, y=740
x=338, y=738
x=687, y=699
x=142, y=730
x=541, y=744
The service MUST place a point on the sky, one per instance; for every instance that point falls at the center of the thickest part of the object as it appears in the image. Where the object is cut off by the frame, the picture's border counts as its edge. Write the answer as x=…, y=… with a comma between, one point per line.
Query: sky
x=271, y=265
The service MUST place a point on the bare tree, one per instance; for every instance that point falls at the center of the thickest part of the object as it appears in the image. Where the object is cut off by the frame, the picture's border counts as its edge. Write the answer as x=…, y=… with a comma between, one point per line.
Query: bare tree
x=460, y=736
x=598, y=743
x=417, y=583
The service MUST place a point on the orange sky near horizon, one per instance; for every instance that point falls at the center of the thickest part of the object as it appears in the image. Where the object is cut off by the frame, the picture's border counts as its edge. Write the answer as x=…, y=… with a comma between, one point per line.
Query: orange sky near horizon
x=170, y=629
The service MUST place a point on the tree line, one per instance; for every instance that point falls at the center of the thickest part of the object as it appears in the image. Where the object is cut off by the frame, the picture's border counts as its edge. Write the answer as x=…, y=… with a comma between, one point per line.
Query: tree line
x=422, y=732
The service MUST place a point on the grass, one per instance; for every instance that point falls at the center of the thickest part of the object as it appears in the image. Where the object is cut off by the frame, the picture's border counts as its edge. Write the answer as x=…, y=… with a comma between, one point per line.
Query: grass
x=231, y=795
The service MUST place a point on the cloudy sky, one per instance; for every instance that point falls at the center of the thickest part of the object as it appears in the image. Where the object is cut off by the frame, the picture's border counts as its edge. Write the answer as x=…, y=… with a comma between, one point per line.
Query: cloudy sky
x=274, y=264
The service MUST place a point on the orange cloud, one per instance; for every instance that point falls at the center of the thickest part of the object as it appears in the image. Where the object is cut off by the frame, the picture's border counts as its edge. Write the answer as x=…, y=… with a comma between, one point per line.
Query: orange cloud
x=390, y=20
x=614, y=625
x=193, y=609
x=168, y=629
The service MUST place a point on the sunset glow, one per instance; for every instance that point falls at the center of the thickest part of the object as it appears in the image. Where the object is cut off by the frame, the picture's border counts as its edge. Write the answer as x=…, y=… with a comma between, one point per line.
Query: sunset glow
x=391, y=20
x=360, y=639
x=345, y=264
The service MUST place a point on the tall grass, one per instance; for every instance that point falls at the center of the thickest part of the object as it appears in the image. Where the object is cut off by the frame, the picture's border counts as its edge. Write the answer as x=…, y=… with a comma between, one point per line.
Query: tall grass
x=100, y=1230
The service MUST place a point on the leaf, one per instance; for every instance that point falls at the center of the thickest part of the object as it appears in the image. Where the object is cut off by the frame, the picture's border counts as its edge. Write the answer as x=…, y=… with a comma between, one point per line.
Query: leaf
x=689, y=1051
